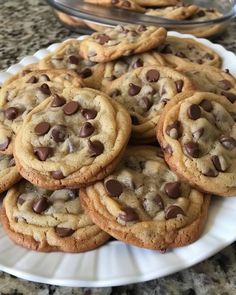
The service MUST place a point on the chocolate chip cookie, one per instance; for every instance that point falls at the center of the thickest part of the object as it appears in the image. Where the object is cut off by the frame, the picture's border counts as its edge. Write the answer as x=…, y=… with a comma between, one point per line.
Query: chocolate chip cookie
x=121, y=41
x=178, y=50
x=145, y=204
x=72, y=138
x=197, y=132
x=210, y=79
x=117, y=68
x=67, y=57
x=19, y=96
x=43, y=220
x=157, y=3
x=173, y=12
x=124, y=4
x=144, y=92
x=8, y=172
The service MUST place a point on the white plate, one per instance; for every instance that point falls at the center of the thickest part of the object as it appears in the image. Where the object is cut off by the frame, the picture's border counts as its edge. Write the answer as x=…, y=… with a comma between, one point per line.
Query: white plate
x=117, y=263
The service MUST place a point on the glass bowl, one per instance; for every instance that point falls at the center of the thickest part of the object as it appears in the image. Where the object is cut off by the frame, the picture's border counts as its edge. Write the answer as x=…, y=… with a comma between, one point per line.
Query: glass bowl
x=84, y=17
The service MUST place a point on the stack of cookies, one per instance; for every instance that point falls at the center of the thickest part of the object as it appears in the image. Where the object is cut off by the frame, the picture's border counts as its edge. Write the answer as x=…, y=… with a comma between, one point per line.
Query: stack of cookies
x=168, y=9
x=124, y=134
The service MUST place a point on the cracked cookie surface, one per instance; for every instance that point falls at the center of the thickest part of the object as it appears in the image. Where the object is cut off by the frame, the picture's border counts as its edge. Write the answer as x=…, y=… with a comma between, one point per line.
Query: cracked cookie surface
x=144, y=203
x=72, y=138
x=67, y=57
x=197, y=132
x=121, y=41
x=49, y=220
x=19, y=96
x=179, y=50
x=144, y=92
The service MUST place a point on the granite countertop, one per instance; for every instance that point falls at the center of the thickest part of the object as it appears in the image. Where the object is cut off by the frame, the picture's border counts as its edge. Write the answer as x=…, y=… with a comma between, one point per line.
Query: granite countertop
x=29, y=25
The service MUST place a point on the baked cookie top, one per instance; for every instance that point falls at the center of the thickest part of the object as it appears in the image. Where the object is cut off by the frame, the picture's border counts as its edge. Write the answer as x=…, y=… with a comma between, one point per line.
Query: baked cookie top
x=210, y=79
x=67, y=57
x=8, y=172
x=21, y=95
x=45, y=220
x=121, y=41
x=198, y=134
x=145, y=204
x=157, y=3
x=178, y=50
x=144, y=92
x=124, y=4
x=117, y=68
x=173, y=12
x=71, y=138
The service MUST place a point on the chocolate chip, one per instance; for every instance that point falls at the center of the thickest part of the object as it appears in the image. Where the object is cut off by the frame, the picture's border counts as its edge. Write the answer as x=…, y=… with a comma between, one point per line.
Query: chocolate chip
x=59, y=133
x=172, y=189
x=192, y=149
x=133, y=89
x=21, y=199
x=179, y=85
x=128, y=215
x=211, y=173
x=102, y=38
x=43, y=152
x=114, y=188
x=168, y=149
x=228, y=142
x=147, y=102
x=71, y=108
x=111, y=78
x=85, y=73
x=134, y=120
x=138, y=63
x=25, y=72
x=174, y=130
x=89, y=114
x=201, y=13
x=64, y=232
x=198, y=133
x=173, y=211
x=41, y=205
x=57, y=175
x=32, y=80
x=11, y=113
x=180, y=54
x=96, y=148
x=206, y=105
x=44, y=88
x=86, y=130
x=114, y=2
x=42, y=128
x=142, y=28
x=152, y=76
x=73, y=59
x=58, y=101
x=216, y=162
x=167, y=49
x=208, y=56
x=194, y=112
x=115, y=92
x=4, y=145
x=231, y=96
x=159, y=201
x=225, y=84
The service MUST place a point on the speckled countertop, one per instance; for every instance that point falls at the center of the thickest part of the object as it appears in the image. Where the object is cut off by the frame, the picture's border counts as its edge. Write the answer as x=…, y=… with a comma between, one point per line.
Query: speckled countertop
x=29, y=25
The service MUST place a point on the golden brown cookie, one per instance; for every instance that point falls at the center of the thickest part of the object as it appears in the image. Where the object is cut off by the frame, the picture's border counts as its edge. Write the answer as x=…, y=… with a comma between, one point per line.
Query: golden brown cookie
x=72, y=138
x=124, y=4
x=145, y=204
x=21, y=95
x=177, y=51
x=121, y=41
x=67, y=57
x=197, y=132
x=46, y=221
x=8, y=172
x=144, y=92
